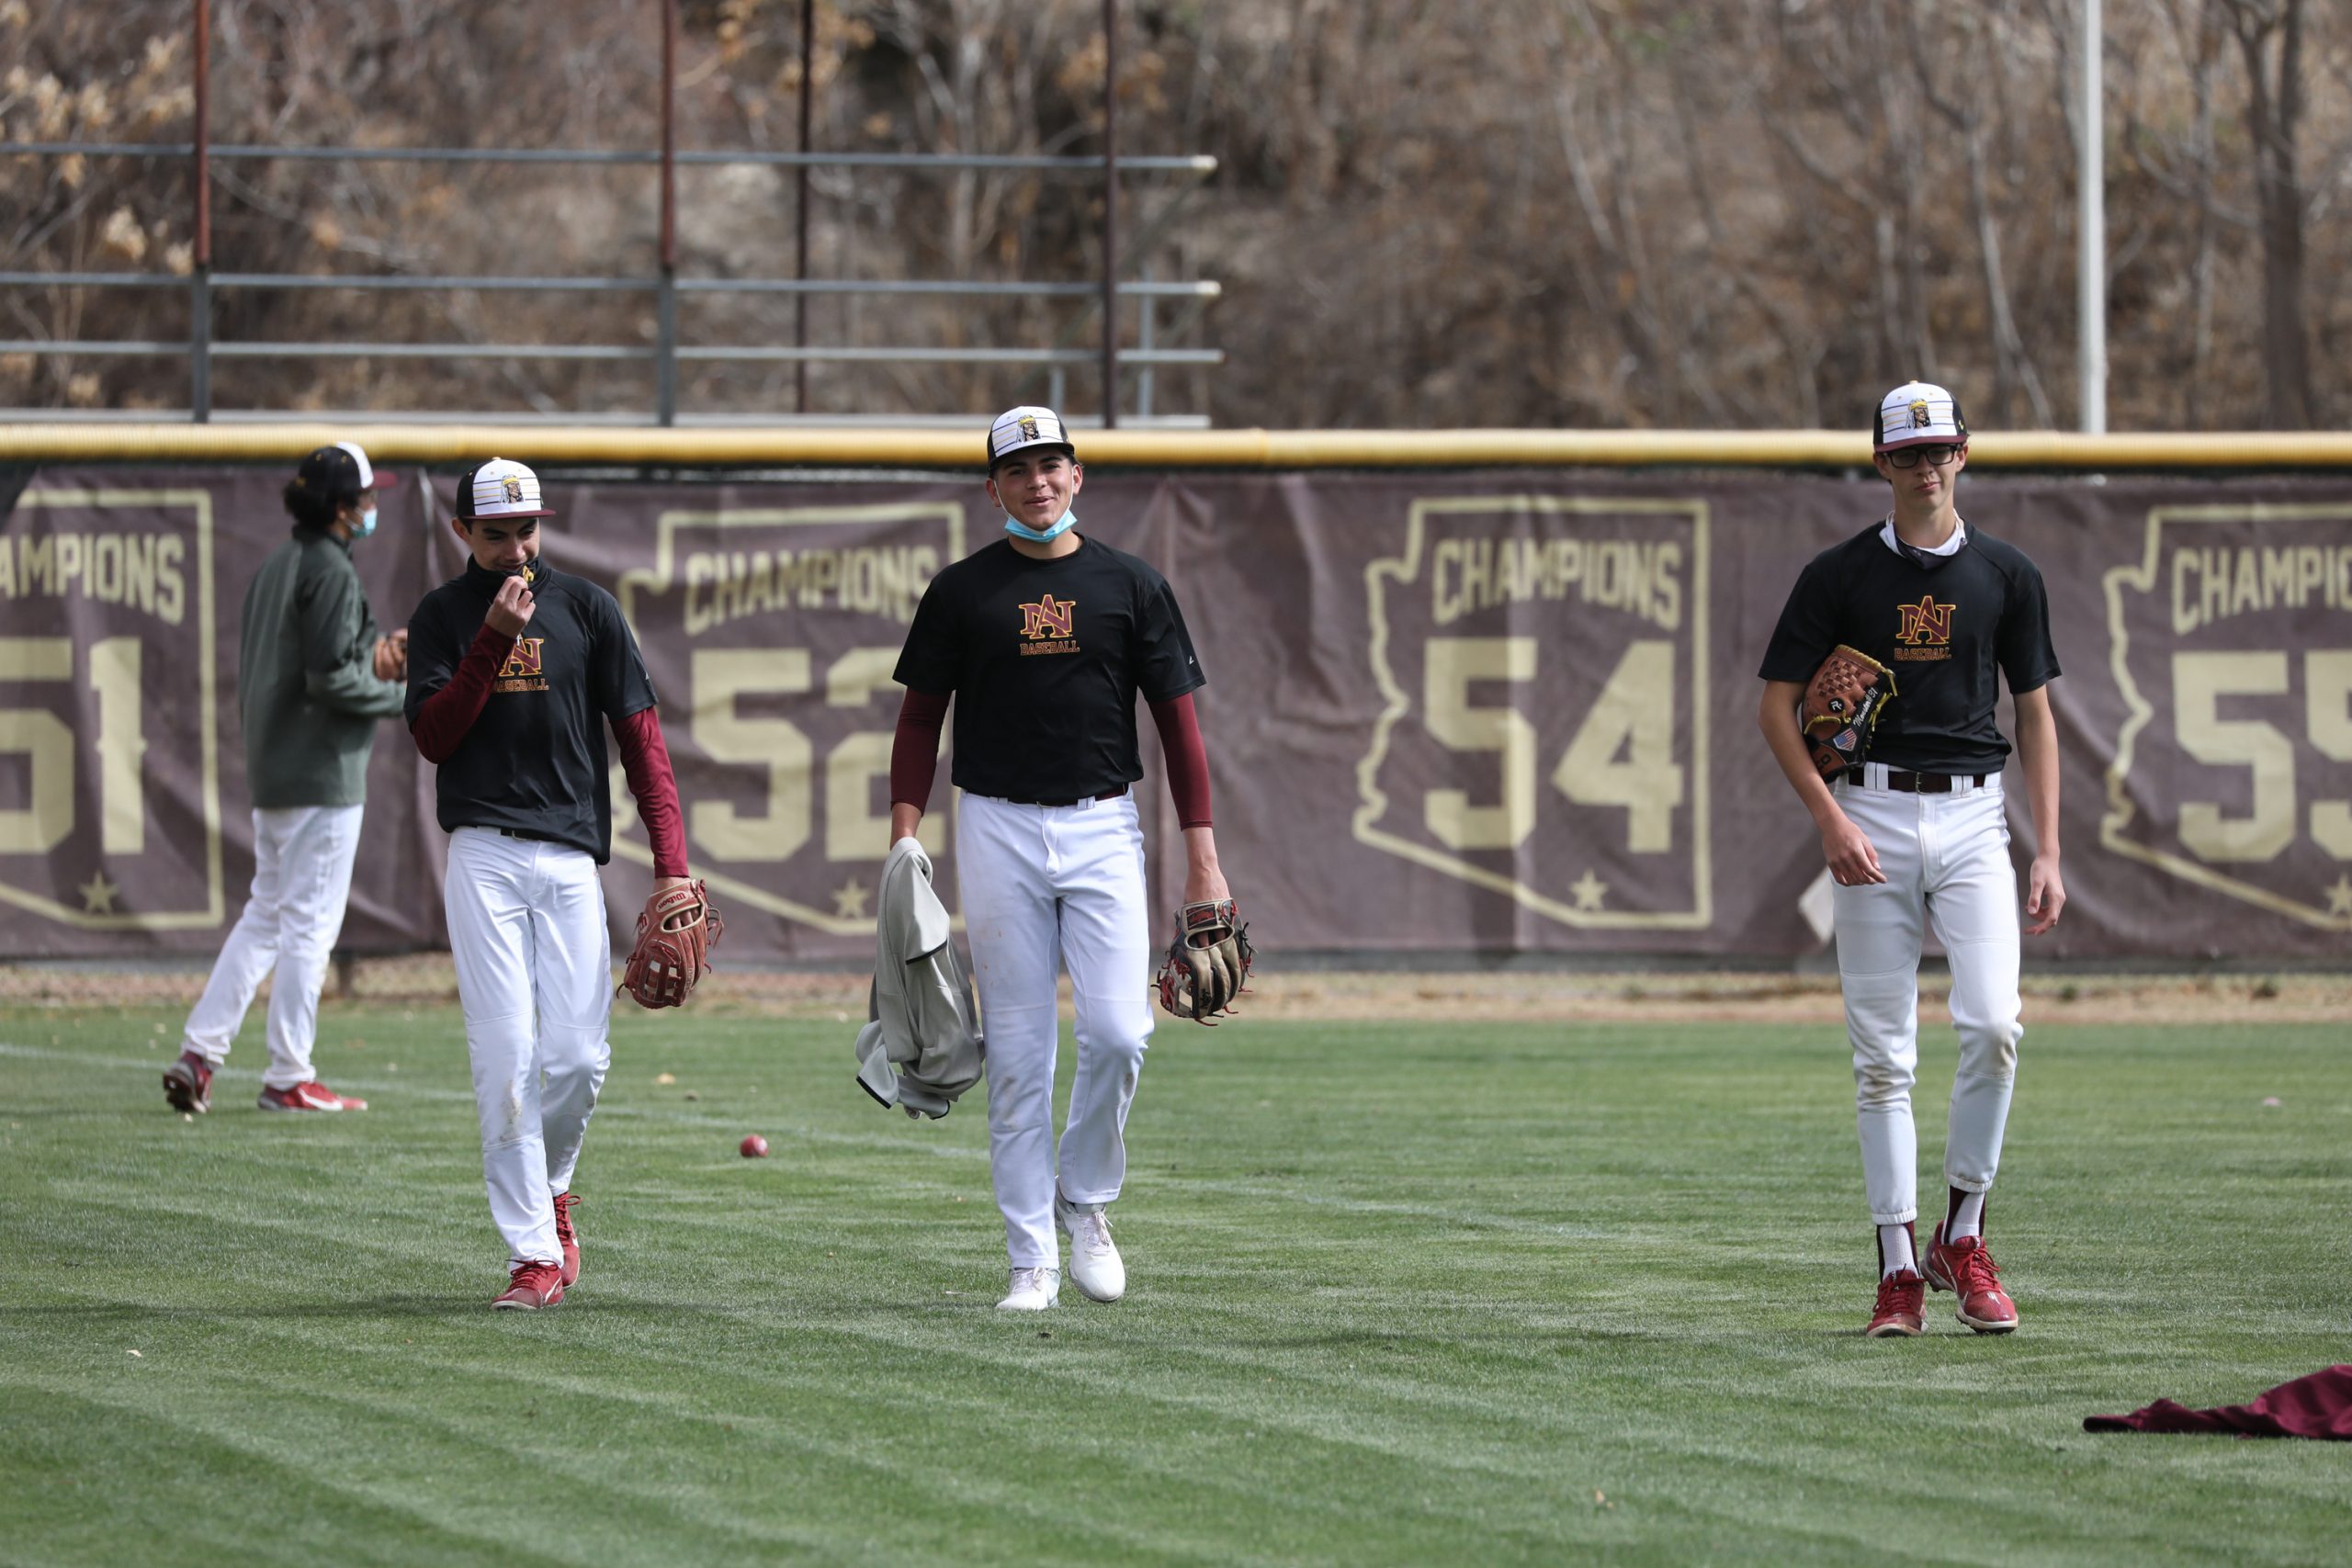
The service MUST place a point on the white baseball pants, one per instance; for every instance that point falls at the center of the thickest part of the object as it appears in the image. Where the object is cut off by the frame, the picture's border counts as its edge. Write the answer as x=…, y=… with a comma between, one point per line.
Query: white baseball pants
x=1947, y=861
x=534, y=979
x=302, y=859
x=1044, y=887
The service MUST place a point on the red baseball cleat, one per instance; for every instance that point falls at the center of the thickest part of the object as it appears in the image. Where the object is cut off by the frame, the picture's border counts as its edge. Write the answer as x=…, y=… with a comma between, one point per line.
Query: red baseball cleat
x=1902, y=1296
x=312, y=1096
x=187, y=1084
x=1966, y=1270
x=531, y=1287
x=567, y=1237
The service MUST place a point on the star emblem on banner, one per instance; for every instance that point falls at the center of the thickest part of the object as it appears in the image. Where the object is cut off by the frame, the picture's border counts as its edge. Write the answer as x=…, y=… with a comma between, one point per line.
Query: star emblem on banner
x=98, y=894
x=2339, y=897
x=1588, y=891
x=849, y=900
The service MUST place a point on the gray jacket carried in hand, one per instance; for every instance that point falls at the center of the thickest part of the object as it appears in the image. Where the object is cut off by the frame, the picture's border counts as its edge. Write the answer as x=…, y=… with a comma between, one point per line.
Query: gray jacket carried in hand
x=921, y=1047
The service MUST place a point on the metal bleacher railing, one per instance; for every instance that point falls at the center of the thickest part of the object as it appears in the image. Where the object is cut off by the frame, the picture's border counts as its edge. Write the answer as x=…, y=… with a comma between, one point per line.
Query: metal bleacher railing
x=201, y=349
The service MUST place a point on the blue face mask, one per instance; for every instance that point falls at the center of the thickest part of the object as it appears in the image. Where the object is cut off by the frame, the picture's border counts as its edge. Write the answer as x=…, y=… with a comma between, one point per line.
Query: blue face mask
x=366, y=525
x=1022, y=531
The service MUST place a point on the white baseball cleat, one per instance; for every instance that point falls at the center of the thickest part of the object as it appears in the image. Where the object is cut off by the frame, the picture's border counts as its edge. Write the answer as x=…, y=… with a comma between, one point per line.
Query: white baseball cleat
x=1094, y=1262
x=1033, y=1289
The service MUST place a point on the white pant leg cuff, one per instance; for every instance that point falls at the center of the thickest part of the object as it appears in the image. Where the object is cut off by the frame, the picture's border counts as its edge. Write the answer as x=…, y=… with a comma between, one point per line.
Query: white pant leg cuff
x=1898, y=1217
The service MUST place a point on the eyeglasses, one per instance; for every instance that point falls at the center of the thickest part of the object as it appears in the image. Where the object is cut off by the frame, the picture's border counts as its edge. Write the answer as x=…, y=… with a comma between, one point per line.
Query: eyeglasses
x=1910, y=457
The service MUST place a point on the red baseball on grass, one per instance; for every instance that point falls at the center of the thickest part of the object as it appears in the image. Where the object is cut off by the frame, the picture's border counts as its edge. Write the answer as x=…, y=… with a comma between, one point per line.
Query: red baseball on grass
x=755, y=1147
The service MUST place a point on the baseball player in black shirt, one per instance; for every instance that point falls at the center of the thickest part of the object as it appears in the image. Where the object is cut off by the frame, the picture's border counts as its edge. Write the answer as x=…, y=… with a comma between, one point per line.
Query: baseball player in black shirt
x=1919, y=832
x=1042, y=639
x=515, y=672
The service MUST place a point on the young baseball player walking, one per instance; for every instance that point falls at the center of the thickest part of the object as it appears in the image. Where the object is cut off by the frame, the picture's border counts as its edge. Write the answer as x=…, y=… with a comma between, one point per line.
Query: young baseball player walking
x=515, y=671
x=1893, y=644
x=314, y=676
x=1043, y=640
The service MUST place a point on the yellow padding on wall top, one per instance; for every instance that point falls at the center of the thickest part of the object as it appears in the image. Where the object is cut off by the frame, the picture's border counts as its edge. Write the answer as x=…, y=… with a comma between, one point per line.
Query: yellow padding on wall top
x=882, y=446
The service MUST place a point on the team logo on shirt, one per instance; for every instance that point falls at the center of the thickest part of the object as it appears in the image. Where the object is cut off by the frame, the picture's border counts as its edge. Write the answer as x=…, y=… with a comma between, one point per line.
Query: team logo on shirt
x=521, y=672
x=1927, y=629
x=1050, y=626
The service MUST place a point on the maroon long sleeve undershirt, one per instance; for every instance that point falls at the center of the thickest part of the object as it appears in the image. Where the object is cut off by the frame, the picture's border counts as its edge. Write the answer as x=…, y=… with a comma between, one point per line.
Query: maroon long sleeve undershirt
x=445, y=716
x=1188, y=760
x=914, y=753
x=645, y=760
x=914, y=747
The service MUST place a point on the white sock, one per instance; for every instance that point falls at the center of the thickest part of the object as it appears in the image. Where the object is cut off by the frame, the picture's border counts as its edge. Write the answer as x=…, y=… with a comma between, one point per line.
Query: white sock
x=1895, y=1251
x=1968, y=1219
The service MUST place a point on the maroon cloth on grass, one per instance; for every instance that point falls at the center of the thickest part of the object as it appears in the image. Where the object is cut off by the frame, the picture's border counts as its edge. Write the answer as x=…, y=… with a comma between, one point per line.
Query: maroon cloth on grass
x=2319, y=1406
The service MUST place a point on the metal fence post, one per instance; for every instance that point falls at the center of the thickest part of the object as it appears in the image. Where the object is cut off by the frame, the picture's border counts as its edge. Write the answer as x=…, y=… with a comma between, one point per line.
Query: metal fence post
x=199, y=286
x=1143, y=341
x=800, y=201
x=1110, y=214
x=199, y=345
x=665, y=309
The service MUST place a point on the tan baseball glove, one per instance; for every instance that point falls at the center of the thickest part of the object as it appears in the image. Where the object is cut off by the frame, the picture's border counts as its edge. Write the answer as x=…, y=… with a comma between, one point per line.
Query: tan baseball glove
x=1207, y=965
x=675, y=932
x=1841, y=708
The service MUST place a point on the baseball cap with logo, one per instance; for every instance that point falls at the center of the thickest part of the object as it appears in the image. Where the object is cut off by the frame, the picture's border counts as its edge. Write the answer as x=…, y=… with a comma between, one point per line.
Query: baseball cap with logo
x=341, y=469
x=1028, y=425
x=1918, y=413
x=500, y=488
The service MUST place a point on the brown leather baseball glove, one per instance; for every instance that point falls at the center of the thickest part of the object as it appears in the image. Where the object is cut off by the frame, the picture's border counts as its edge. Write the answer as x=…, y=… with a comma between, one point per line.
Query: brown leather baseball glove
x=1207, y=965
x=675, y=931
x=1841, y=708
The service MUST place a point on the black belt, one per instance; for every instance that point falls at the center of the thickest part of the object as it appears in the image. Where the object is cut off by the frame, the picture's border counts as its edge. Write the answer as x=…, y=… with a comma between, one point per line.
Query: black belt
x=527, y=836
x=1106, y=794
x=1923, y=784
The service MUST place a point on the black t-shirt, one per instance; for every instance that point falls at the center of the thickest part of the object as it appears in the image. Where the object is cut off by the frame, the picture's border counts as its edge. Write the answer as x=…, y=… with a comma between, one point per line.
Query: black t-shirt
x=1941, y=630
x=533, y=761
x=1044, y=659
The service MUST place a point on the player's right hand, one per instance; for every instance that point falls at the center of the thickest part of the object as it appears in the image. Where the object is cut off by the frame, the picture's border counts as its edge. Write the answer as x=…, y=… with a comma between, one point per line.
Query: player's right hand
x=511, y=611
x=1852, y=862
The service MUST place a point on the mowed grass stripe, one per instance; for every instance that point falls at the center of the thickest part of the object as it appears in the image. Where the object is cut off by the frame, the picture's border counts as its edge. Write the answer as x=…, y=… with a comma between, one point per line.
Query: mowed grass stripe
x=1504, y=1269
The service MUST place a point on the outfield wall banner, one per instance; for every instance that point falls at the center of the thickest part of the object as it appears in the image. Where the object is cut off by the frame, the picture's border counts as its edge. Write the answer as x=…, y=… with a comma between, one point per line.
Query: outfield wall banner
x=1447, y=712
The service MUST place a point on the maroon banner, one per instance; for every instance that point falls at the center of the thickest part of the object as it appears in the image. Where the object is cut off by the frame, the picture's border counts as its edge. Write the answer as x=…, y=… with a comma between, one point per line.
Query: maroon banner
x=1447, y=712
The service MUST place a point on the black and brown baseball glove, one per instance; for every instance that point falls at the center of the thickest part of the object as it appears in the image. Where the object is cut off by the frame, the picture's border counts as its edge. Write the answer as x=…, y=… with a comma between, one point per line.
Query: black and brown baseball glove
x=1841, y=708
x=1208, y=964
x=675, y=931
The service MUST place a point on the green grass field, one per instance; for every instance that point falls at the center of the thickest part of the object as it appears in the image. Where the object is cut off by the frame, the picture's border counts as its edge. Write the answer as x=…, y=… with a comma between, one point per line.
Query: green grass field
x=1400, y=1294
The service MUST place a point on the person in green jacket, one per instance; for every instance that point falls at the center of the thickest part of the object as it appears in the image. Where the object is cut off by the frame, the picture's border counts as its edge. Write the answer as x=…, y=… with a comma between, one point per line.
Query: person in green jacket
x=315, y=676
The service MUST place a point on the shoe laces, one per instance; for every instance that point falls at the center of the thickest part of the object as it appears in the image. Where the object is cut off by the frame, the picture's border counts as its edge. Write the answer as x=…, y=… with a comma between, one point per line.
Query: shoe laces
x=1028, y=1280
x=1974, y=1268
x=1091, y=1229
x=540, y=1277
x=1900, y=1292
x=563, y=1203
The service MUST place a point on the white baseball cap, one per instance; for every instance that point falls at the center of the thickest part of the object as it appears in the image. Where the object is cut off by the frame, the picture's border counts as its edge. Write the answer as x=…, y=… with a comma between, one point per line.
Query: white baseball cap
x=368, y=477
x=500, y=488
x=1918, y=413
x=342, y=466
x=1028, y=425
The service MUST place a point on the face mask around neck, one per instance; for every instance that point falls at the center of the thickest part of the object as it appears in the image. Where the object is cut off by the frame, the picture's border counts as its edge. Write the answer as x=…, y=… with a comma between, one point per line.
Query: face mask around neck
x=1022, y=531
